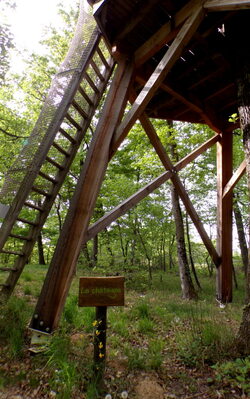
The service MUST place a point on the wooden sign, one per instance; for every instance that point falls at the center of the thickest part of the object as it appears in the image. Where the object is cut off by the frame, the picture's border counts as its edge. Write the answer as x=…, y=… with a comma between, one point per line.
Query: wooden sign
x=101, y=291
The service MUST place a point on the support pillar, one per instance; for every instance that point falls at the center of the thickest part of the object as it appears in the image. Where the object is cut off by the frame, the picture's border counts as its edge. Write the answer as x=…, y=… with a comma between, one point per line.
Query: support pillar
x=224, y=219
x=62, y=267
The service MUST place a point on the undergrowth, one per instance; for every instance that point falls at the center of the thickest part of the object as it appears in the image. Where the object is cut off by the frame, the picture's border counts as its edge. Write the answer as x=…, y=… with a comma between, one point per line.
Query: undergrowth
x=155, y=326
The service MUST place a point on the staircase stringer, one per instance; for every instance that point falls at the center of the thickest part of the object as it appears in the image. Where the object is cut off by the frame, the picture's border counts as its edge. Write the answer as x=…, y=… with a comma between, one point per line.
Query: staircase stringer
x=41, y=156
x=21, y=260
x=44, y=147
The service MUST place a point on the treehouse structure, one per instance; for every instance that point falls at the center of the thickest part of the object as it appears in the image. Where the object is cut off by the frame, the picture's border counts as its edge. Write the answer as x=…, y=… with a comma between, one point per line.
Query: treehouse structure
x=168, y=59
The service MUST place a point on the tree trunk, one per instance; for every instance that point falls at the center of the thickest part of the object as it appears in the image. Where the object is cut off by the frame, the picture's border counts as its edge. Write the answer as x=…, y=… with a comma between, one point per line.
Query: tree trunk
x=241, y=234
x=40, y=250
x=187, y=286
x=188, y=291
x=109, y=248
x=191, y=255
x=243, y=337
x=95, y=251
x=86, y=255
x=170, y=251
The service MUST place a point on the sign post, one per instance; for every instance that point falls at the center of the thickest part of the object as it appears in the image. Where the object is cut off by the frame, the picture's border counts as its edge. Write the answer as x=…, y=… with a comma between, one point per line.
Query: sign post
x=101, y=292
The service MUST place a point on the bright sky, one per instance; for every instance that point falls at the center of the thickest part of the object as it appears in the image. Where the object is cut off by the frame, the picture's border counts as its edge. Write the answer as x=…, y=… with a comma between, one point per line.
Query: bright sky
x=29, y=19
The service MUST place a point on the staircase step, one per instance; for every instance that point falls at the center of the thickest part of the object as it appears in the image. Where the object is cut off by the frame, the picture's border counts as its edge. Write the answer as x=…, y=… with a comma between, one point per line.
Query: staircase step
x=54, y=163
x=87, y=98
x=73, y=122
x=19, y=237
x=40, y=191
x=8, y=269
x=33, y=206
x=27, y=222
x=5, y=251
x=79, y=109
x=61, y=150
x=91, y=83
x=67, y=136
x=47, y=177
x=97, y=70
x=100, y=53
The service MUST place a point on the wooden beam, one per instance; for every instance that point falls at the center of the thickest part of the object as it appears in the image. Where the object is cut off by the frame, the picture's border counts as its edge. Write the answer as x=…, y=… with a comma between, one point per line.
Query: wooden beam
x=234, y=179
x=140, y=10
x=134, y=199
x=155, y=141
x=193, y=105
x=226, y=5
x=164, y=35
x=158, y=76
x=224, y=219
x=62, y=267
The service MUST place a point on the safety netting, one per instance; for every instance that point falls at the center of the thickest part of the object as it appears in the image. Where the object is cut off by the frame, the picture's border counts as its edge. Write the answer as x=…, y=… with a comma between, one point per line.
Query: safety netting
x=35, y=147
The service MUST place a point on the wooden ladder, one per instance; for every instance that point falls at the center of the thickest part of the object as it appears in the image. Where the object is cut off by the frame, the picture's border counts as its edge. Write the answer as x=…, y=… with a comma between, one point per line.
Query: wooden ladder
x=39, y=188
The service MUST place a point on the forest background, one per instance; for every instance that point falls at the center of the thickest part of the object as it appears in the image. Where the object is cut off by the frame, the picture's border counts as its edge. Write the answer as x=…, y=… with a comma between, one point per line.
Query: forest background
x=145, y=236
x=143, y=244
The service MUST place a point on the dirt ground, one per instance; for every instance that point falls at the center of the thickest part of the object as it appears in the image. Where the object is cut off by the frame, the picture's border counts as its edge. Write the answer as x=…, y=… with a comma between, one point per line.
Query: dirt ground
x=172, y=381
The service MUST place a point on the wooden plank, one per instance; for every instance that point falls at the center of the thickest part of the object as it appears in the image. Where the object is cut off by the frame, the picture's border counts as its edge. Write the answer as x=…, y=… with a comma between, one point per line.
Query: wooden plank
x=40, y=191
x=62, y=267
x=87, y=98
x=194, y=106
x=164, y=35
x=194, y=154
x=72, y=121
x=158, y=76
x=48, y=202
x=127, y=204
x=91, y=83
x=101, y=291
x=97, y=70
x=61, y=150
x=17, y=253
x=226, y=5
x=7, y=269
x=48, y=177
x=33, y=206
x=42, y=151
x=155, y=141
x=54, y=163
x=224, y=219
x=79, y=109
x=67, y=135
x=138, y=13
x=234, y=179
x=26, y=221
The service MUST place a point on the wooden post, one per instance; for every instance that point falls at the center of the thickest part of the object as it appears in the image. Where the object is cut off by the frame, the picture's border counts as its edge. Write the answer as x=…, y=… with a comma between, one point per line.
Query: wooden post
x=224, y=218
x=100, y=292
x=62, y=267
x=100, y=339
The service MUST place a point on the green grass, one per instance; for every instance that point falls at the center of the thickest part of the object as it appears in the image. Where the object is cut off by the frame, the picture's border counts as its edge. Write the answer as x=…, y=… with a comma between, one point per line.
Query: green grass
x=155, y=325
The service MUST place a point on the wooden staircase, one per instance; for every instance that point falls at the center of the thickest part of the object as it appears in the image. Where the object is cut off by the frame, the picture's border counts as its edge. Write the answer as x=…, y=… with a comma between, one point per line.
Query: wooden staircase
x=52, y=162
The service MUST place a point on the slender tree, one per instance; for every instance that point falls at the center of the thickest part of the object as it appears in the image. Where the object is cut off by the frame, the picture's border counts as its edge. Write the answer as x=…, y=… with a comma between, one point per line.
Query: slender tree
x=243, y=338
x=241, y=233
x=187, y=286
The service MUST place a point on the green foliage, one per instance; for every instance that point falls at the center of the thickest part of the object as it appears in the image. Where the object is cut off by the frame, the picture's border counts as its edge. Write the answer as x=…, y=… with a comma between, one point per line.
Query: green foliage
x=64, y=375
x=155, y=355
x=145, y=326
x=136, y=357
x=203, y=342
x=78, y=317
x=234, y=373
x=14, y=317
x=149, y=358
